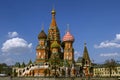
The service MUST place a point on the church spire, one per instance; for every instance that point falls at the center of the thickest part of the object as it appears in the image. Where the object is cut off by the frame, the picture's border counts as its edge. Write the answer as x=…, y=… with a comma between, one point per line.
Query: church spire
x=85, y=44
x=43, y=27
x=85, y=53
x=68, y=28
x=53, y=32
x=53, y=22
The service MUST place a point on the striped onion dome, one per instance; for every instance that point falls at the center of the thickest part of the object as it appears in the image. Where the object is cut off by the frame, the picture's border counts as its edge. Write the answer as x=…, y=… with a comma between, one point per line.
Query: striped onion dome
x=42, y=35
x=68, y=37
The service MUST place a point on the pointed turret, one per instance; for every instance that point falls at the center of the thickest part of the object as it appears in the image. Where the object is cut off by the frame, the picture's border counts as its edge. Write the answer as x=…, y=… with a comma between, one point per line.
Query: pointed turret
x=53, y=22
x=86, y=63
x=53, y=33
x=85, y=53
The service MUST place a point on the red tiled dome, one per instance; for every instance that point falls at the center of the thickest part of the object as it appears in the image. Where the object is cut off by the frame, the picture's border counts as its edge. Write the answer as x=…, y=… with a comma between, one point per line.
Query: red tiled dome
x=68, y=37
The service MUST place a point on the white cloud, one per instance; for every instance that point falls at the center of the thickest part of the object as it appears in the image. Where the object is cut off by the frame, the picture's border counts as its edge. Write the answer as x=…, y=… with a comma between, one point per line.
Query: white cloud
x=12, y=34
x=16, y=46
x=109, y=54
x=107, y=44
x=115, y=43
x=117, y=37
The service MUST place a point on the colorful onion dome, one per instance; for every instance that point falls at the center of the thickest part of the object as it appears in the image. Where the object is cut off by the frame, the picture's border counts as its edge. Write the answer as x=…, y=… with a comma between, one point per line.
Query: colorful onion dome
x=55, y=45
x=42, y=35
x=68, y=37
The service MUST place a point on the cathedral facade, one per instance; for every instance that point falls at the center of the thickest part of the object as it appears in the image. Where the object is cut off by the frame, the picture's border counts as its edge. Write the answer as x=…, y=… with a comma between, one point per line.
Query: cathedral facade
x=51, y=50
x=55, y=57
x=51, y=47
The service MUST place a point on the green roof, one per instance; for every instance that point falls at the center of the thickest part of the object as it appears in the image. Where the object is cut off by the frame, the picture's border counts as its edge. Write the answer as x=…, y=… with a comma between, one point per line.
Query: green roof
x=55, y=45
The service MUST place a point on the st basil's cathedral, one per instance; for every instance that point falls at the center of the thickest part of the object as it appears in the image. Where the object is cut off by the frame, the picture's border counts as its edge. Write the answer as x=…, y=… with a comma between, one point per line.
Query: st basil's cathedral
x=50, y=45
x=55, y=57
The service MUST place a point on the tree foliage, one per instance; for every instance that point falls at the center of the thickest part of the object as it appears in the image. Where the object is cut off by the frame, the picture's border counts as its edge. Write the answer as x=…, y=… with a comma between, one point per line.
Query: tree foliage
x=5, y=69
x=66, y=63
x=111, y=65
x=30, y=62
x=17, y=64
x=23, y=65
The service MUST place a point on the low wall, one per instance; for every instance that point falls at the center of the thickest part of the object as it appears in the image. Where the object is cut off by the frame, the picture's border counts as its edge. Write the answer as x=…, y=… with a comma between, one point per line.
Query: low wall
x=39, y=78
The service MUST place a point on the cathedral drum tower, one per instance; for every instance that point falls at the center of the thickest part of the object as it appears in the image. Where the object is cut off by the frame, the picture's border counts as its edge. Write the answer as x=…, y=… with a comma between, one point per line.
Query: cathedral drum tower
x=68, y=40
x=41, y=49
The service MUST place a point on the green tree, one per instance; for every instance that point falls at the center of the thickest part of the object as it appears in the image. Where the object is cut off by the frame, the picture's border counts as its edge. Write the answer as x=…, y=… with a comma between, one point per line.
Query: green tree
x=111, y=65
x=17, y=64
x=55, y=62
x=66, y=63
x=30, y=62
x=4, y=68
x=61, y=63
x=23, y=65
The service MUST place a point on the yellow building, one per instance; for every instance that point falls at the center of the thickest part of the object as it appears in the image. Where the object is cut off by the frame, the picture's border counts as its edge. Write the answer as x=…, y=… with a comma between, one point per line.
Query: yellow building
x=102, y=71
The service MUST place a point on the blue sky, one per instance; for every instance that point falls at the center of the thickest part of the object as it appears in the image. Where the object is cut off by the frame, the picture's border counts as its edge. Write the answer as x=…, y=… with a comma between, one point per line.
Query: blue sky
x=96, y=22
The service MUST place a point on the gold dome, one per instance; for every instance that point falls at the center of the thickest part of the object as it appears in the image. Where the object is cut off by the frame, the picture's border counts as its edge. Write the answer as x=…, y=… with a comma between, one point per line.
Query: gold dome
x=53, y=12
